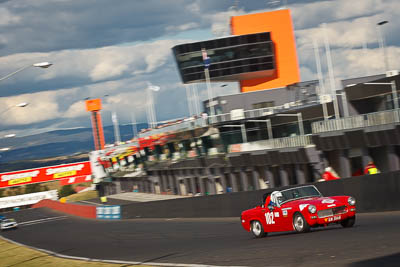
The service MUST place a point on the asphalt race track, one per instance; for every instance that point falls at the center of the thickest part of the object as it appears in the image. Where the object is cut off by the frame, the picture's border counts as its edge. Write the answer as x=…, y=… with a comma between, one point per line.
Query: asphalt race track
x=373, y=241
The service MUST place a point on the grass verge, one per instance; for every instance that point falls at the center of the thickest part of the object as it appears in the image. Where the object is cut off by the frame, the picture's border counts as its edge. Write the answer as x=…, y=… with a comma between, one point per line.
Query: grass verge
x=82, y=196
x=20, y=256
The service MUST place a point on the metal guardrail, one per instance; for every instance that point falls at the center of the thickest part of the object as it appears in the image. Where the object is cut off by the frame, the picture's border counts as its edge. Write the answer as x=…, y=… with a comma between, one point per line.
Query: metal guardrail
x=276, y=143
x=359, y=121
x=190, y=124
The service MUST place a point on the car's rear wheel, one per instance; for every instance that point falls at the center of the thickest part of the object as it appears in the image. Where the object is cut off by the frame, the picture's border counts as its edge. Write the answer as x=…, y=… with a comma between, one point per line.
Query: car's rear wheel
x=257, y=229
x=349, y=222
x=300, y=224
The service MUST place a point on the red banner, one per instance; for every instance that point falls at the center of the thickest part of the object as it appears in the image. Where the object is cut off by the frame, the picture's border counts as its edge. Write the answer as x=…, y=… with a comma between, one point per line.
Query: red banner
x=45, y=174
x=76, y=180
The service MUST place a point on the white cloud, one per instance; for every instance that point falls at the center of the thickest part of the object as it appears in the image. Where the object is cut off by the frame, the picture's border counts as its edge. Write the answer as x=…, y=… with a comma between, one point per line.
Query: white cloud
x=42, y=106
x=6, y=18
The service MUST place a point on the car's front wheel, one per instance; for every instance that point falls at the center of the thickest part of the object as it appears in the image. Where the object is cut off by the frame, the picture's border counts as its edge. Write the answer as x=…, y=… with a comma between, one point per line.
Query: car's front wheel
x=257, y=229
x=349, y=222
x=300, y=224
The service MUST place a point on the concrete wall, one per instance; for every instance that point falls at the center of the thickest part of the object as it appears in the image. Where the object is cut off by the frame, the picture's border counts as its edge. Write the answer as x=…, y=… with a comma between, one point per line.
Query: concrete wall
x=73, y=209
x=373, y=193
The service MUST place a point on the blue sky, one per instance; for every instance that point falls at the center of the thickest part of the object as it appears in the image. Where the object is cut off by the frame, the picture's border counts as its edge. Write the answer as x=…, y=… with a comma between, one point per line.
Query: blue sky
x=114, y=48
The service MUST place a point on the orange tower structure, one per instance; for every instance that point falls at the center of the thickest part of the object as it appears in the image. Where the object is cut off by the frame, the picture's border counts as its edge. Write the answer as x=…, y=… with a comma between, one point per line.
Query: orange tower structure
x=279, y=24
x=94, y=106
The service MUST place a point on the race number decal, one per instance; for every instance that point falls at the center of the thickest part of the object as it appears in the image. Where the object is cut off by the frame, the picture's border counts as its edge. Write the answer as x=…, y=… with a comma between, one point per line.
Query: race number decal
x=269, y=218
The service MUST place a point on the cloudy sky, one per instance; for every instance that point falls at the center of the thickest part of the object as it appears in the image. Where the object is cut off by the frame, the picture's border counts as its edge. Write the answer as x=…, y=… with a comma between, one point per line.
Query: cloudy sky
x=114, y=49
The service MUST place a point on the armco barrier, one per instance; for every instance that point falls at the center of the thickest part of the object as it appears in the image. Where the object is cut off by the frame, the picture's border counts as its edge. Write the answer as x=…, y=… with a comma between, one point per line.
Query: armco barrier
x=73, y=209
x=379, y=192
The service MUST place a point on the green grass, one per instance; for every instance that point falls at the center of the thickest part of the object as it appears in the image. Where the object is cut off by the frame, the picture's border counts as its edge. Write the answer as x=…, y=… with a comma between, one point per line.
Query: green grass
x=20, y=256
x=82, y=196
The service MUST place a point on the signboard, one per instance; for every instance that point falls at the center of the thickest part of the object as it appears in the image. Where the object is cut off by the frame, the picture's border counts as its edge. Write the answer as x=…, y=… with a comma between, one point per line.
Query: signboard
x=93, y=104
x=45, y=174
x=76, y=180
x=27, y=199
x=108, y=212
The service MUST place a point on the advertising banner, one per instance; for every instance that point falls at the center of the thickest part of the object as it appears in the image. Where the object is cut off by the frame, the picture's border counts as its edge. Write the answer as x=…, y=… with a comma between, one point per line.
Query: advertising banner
x=45, y=174
x=108, y=212
x=76, y=180
x=27, y=199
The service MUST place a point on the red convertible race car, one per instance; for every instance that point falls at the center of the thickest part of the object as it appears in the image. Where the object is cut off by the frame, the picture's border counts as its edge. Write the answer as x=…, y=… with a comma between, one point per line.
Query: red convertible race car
x=298, y=209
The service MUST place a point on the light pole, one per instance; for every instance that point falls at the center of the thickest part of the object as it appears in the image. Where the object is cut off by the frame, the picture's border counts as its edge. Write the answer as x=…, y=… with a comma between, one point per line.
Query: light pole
x=42, y=65
x=20, y=105
x=382, y=43
x=322, y=90
x=299, y=119
x=206, y=60
x=269, y=127
x=189, y=101
x=394, y=91
x=331, y=72
x=151, y=117
x=242, y=128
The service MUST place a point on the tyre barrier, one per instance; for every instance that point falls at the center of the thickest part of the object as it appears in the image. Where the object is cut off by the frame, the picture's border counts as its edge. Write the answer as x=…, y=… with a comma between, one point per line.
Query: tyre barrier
x=108, y=212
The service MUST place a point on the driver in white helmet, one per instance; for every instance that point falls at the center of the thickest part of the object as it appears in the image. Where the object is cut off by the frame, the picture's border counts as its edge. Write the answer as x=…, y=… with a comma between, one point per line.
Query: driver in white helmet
x=276, y=198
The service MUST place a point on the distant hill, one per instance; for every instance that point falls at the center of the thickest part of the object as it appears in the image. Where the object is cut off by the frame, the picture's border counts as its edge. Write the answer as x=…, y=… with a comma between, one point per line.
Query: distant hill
x=57, y=143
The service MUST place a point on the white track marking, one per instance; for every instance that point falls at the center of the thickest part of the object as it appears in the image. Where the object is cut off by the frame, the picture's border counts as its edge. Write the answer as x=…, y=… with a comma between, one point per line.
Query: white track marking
x=43, y=220
x=112, y=261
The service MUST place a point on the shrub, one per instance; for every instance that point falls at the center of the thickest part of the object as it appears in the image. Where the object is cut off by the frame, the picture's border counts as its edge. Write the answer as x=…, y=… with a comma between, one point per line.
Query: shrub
x=66, y=190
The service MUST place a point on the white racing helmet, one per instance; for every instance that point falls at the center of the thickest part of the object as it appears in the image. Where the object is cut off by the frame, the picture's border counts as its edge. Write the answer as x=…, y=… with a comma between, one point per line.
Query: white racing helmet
x=276, y=197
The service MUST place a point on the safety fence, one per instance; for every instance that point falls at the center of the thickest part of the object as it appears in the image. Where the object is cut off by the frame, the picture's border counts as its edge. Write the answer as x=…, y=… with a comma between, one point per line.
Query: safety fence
x=276, y=143
x=359, y=121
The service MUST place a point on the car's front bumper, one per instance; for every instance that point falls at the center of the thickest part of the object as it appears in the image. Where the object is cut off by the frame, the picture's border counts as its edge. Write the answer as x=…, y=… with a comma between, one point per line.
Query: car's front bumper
x=314, y=220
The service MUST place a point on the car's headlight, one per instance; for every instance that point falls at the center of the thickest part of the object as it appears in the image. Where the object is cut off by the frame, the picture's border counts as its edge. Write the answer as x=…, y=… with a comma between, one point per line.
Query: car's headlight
x=312, y=209
x=351, y=201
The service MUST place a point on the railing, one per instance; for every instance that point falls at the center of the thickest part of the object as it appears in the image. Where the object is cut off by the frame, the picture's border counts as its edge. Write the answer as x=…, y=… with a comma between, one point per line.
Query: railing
x=190, y=124
x=284, y=142
x=359, y=121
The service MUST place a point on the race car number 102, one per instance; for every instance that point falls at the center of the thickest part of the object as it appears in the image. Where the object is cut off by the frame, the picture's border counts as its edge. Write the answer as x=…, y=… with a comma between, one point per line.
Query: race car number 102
x=269, y=218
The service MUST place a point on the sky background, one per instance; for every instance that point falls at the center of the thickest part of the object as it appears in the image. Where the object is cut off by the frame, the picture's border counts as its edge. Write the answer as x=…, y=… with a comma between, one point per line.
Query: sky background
x=116, y=48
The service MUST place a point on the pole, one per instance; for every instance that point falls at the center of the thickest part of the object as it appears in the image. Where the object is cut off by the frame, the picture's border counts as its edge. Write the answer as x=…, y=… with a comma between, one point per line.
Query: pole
x=134, y=126
x=345, y=106
x=117, y=136
x=269, y=129
x=188, y=100
x=196, y=99
x=394, y=93
x=209, y=88
x=244, y=135
x=300, y=121
x=148, y=109
x=153, y=111
x=365, y=51
x=382, y=46
x=320, y=78
x=330, y=70
x=15, y=72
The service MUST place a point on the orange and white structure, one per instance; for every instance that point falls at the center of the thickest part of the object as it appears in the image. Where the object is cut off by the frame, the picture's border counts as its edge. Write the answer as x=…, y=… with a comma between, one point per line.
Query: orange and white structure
x=94, y=106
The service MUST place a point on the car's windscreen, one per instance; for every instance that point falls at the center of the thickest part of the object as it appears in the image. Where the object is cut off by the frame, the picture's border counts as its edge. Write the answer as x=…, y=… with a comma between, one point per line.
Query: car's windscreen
x=300, y=192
